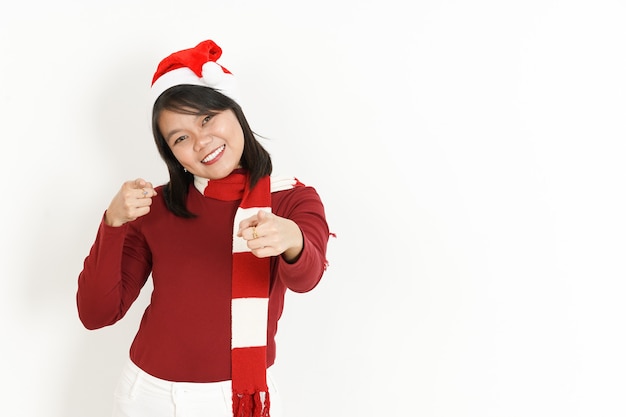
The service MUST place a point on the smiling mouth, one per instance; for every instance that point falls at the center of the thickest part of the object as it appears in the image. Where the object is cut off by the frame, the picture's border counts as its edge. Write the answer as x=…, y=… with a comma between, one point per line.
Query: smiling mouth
x=213, y=154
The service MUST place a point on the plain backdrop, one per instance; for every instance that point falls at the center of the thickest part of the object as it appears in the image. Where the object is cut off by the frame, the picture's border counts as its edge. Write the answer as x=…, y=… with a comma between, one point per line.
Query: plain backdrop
x=470, y=155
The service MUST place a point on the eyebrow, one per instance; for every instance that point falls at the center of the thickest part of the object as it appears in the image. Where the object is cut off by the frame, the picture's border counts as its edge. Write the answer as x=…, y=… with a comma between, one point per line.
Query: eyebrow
x=171, y=133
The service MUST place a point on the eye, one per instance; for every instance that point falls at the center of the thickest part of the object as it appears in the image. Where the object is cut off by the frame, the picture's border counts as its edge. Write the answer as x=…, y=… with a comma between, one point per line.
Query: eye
x=206, y=119
x=180, y=139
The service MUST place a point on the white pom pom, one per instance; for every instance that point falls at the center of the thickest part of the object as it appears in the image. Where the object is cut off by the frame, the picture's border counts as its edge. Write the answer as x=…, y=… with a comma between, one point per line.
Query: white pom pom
x=215, y=77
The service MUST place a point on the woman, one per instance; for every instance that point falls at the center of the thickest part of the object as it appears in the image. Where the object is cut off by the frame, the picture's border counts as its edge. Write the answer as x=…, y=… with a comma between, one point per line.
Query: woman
x=223, y=241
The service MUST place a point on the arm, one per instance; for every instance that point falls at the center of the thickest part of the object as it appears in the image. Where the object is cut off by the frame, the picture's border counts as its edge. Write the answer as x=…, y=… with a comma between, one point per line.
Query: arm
x=306, y=210
x=297, y=235
x=119, y=261
x=113, y=274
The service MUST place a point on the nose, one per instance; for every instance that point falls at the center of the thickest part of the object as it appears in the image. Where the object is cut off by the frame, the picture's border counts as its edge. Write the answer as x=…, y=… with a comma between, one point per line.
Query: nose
x=201, y=140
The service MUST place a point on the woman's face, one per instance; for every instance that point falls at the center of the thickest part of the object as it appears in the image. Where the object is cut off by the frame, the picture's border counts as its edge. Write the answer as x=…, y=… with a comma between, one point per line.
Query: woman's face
x=209, y=146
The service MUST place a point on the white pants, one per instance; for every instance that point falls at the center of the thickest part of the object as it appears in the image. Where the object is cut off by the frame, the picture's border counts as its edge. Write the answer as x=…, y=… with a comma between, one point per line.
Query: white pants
x=139, y=394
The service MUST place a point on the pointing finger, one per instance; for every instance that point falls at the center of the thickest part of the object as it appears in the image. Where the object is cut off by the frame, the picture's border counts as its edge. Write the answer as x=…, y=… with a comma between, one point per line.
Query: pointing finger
x=145, y=188
x=141, y=183
x=263, y=216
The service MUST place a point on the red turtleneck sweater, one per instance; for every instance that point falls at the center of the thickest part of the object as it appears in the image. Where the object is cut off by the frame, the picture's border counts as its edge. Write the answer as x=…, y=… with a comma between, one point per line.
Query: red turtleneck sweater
x=185, y=332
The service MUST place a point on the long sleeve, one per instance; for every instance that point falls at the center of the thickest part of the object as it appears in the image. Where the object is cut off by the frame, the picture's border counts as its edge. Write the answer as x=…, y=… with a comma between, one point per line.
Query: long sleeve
x=307, y=211
x=113, y=274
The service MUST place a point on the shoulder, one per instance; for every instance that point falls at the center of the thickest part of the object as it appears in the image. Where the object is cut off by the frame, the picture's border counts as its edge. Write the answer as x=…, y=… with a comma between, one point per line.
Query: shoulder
x=290, y=195
x=284, y=182
x=159, y=199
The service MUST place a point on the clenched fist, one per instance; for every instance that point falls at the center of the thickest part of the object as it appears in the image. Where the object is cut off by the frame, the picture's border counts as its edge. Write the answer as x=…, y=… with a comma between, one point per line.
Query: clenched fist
x=133, y=200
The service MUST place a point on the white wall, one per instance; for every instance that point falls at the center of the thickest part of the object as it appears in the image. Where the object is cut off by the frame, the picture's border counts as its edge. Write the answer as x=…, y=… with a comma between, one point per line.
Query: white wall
x=470, y=155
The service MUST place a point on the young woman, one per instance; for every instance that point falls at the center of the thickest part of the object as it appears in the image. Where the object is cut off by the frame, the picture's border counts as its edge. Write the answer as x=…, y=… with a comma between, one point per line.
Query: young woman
x=223, y=241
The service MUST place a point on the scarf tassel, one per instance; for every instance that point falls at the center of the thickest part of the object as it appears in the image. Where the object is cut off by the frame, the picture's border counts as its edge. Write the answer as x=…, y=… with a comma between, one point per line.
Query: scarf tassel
x=251, y=405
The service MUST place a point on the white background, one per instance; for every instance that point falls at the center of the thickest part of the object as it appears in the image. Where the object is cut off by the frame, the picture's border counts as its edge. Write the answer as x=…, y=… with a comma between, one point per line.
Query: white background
x=470, y=156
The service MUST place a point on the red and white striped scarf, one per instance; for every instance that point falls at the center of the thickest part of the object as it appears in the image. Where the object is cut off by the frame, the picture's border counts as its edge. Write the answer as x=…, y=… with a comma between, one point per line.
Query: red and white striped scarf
x=250, y=290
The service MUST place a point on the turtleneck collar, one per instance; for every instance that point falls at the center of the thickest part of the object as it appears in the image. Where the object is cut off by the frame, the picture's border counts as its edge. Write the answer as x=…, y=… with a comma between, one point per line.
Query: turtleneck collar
x=229, y=188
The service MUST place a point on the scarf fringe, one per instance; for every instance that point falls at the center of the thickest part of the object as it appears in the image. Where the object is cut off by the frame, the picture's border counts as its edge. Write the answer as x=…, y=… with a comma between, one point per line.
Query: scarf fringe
x=251, y=405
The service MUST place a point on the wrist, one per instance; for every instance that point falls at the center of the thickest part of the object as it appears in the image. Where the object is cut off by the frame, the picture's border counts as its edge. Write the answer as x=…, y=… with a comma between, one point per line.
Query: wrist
x=292, y=254
x=112, y=222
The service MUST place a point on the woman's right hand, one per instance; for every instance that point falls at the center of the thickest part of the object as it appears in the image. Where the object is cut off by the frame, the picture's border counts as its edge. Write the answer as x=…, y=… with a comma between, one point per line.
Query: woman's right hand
x=133, y=200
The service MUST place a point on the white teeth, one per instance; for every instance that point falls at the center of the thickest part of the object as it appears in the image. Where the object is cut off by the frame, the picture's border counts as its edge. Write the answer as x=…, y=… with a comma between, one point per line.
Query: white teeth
x=212, y=155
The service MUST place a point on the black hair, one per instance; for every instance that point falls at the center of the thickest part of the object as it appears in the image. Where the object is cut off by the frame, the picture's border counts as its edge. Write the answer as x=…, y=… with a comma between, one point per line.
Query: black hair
x=199, y=100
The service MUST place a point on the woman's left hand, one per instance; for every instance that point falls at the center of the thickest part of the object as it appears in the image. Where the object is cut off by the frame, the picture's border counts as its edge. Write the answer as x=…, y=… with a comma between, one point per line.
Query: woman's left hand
x=270, y=235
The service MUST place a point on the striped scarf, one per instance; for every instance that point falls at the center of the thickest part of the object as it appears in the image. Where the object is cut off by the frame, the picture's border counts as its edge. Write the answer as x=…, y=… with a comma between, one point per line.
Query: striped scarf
x=250, y=291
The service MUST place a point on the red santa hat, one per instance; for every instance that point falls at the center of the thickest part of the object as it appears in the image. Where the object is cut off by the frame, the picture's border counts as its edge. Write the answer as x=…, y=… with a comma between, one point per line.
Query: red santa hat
x=196, y=66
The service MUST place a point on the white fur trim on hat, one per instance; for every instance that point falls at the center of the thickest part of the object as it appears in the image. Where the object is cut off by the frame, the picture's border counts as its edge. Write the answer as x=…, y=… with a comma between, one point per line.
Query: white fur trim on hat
x=212, y=76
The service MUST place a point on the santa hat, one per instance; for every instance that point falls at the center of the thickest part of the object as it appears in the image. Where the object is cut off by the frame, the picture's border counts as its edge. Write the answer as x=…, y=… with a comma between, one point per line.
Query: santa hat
x=196, y=66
